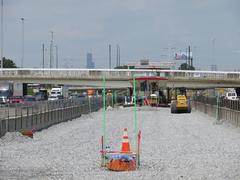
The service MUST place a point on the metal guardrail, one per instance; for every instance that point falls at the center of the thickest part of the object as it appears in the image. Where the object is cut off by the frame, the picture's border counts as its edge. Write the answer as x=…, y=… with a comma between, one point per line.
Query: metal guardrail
x=230, y=104
x=223, y=109
x=41, y=115
x=116, y=74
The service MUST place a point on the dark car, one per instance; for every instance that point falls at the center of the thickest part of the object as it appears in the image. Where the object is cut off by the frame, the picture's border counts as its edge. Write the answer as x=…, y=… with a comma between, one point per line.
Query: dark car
x=40, y=96
x=16, y=99
x=60, y=97
x=77, y=96
x=29, y=100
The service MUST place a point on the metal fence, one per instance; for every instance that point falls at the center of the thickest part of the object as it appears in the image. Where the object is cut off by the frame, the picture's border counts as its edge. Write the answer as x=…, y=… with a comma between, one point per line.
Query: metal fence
x=42, y=114
x=230, y=104
x=221, y=109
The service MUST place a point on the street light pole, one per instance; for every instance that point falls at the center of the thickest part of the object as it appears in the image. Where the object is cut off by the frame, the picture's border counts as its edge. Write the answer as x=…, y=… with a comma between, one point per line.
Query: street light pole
x=43, y=55
x=214, y=66
x=56, y=57
x=22, y=19
x=2, y=34
x=109, y=53
x=51, y=51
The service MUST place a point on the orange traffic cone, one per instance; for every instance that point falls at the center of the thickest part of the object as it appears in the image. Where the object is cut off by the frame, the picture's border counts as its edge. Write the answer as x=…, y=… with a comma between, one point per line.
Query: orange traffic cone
x=125, y=142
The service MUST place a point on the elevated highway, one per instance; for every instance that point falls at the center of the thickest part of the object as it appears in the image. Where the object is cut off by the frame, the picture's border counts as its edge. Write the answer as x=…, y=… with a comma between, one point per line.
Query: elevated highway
x=119, y=78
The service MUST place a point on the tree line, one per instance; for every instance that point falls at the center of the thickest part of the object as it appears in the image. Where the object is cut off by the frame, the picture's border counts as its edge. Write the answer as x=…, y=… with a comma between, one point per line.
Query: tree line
x=7, y=63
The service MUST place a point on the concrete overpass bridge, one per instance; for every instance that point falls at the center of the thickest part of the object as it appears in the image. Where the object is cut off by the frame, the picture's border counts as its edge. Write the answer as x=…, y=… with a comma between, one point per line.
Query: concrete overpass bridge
x=119, y=78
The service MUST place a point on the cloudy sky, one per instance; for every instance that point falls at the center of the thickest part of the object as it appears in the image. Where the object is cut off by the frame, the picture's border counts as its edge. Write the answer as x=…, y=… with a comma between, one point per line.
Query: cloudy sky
x=142, y=28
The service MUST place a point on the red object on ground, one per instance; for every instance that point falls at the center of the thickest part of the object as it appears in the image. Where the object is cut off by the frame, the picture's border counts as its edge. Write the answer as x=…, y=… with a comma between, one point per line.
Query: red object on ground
x=27, y=132
x=139, y=137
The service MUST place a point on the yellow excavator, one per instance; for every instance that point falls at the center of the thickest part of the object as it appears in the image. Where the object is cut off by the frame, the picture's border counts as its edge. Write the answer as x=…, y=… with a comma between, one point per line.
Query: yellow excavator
x=180, y=102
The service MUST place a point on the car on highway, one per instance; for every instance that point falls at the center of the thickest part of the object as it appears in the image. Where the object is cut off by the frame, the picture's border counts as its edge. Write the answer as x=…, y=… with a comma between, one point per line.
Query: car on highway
x=40, y=96
x=3, y=100
x=231, y=96
x=60, y=97
x=77, y=96
x=16, y=99
x=28, y=100
x=52, y=98
x=55, y=98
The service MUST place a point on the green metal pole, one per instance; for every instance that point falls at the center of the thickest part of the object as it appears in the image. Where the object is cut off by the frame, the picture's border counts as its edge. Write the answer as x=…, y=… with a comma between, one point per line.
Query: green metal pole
x=104, y=119
x=217, y=108
x=115, y=97
x=135, y=118
x=112, y=100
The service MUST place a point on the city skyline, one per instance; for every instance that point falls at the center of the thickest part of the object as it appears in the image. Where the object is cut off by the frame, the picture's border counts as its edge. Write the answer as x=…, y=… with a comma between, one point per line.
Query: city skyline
x=144, y=29
x=90, y=64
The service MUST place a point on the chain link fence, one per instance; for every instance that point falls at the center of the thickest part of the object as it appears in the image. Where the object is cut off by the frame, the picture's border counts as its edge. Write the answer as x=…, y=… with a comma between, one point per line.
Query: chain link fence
x=42, y=114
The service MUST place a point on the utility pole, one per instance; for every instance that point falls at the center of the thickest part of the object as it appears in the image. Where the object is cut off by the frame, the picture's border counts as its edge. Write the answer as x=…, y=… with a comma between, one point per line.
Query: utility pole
x=51, y=51
x=110, y=65
x=189, y=56
x=213, y=66
x=43, y=55
x=118, y=56
x=56, y=57
x=22, y=19
x=2, y=34
x=46, y=58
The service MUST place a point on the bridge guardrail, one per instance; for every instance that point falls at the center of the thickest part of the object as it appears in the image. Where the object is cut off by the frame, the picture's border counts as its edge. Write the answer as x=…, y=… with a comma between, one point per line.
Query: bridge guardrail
x=116, y=74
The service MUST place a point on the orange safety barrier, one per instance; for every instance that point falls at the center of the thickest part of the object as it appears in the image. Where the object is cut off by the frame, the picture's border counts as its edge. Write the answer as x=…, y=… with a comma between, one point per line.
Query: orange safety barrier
x=121, y=165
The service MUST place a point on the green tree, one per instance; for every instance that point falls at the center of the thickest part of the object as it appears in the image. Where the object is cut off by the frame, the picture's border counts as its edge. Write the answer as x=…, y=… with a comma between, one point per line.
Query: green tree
x=124, y=67
x=8, y=63
x=185, y=66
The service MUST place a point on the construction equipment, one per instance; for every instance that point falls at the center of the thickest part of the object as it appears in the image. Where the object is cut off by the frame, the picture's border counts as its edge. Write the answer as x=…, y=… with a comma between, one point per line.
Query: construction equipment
x=153, y=101
x=179, y=102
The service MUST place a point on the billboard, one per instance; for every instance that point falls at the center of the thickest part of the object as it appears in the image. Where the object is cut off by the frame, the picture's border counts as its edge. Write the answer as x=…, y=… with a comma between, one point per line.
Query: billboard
x=182, y=55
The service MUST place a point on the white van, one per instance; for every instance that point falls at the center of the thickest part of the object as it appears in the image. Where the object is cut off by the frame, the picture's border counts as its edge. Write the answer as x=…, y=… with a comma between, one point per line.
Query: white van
x=56, y=92
x=231, y=96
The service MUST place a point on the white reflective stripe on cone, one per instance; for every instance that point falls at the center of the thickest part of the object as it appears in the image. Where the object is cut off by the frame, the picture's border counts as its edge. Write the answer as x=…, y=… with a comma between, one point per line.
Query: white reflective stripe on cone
x=125, y=140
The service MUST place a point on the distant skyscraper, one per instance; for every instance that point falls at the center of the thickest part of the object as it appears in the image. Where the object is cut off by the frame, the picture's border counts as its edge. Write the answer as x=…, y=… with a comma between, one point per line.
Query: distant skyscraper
x=213, y=67
x=90, y=63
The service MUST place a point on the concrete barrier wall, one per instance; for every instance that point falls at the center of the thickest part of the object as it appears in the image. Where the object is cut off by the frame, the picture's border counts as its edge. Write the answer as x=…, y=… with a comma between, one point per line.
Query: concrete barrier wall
x=3, y=126
x=44, y=119
x=224, y=114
